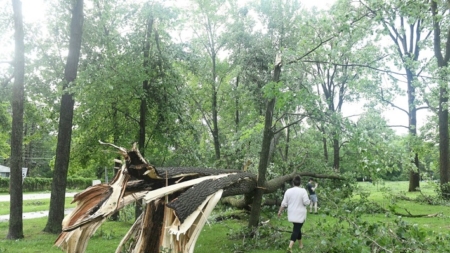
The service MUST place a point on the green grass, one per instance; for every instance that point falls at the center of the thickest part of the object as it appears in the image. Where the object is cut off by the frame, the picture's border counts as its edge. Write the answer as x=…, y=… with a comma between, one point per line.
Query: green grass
x=379, y=193
x=105, y=239
x=224, y=236
x=34, y=205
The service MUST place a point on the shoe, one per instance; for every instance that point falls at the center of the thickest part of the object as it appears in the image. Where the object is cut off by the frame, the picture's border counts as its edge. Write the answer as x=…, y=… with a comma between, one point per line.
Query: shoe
x=289, y=250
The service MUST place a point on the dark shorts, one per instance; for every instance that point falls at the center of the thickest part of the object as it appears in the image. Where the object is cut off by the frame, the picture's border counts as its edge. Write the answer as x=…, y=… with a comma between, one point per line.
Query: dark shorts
x=313, y=198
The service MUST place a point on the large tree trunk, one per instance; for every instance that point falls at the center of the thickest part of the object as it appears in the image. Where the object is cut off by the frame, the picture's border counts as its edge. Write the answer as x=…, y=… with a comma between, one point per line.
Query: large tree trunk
x=57, y=199
x=15, y=214
x=265, y=154
x=442, y=62
x=414, y=175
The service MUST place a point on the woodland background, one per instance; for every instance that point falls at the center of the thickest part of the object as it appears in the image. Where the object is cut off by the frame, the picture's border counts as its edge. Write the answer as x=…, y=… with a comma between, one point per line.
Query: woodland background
x=265, y=86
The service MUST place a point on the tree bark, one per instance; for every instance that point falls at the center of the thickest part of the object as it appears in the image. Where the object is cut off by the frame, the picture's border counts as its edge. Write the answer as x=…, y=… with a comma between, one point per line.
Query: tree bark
x=143, y=107
x=414, y=175
x=324, y=142
x=265, y=154
x=215, y=130
x=57, y=199
x=336, y=155
x=236, y=102
x=213, y=50
x=442, y=62
x=17, y=104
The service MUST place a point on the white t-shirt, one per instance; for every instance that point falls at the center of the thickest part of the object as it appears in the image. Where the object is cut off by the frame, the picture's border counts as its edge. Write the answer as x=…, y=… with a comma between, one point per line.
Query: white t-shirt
x=295, y=200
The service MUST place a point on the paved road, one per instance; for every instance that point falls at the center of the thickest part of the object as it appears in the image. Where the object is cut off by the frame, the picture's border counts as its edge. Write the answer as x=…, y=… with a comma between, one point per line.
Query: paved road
x=33, y=215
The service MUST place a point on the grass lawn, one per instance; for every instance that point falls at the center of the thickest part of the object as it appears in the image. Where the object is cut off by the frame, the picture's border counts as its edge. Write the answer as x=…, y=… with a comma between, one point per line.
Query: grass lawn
x=378, y=193
x=35, y=205
x=105, y=239
x=223, y=236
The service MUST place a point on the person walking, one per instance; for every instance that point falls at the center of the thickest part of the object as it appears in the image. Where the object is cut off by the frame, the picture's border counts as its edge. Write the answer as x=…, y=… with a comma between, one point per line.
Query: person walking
x=295, y=200
x=311, y=187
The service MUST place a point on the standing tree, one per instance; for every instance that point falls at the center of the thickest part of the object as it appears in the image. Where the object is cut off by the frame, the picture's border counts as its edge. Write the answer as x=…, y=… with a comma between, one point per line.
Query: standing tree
x=144, y=97
x=406, y=26
x=210, y=39
x=279, y=17
x=442, y=62
x=17, y=101
x=57, y=200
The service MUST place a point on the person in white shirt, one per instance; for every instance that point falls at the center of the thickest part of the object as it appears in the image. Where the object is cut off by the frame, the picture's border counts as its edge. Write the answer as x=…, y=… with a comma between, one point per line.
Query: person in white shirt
x=295, y=200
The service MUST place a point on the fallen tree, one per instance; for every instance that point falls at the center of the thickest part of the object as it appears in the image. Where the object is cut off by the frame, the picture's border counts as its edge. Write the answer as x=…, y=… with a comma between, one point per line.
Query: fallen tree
x=177, y=202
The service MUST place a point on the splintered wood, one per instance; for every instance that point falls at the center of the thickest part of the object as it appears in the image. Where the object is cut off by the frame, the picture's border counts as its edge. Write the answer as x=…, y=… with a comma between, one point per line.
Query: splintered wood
x=177, y=202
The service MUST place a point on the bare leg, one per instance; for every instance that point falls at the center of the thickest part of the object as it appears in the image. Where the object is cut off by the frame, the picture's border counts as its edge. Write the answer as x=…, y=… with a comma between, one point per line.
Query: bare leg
x=300, y=244
x=291, y=243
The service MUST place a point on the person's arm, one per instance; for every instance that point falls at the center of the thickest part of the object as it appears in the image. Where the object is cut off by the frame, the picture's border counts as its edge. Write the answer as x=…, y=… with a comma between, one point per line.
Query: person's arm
x=306, y=200
x=283, y=204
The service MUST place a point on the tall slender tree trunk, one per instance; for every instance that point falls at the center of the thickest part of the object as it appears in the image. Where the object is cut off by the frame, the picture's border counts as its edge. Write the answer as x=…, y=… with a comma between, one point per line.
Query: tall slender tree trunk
x=236, y=112
x=324, y=143
x=143, y=107
x=414, y=175
x=59, y=183
x=336, y=155
x=215, y=131
x=16, y=202
x=442, y=62
x=211, y=48
x=264, y=155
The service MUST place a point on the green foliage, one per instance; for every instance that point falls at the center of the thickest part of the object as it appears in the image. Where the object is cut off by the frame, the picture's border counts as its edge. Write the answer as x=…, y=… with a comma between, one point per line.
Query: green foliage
x=444, y=191
x=218, y=57
x=127, y=214
x=355, y=233
x=165, y=250
x=106, y=235
x=263, y=237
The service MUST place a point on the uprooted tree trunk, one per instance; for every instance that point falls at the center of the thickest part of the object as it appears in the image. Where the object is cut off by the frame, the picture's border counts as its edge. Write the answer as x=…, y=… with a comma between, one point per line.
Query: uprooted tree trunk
x=178, y=203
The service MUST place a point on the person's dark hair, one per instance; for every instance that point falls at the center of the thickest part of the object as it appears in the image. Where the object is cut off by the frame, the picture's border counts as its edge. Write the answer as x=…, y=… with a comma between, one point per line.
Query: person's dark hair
x=311, y=179
x=296, y=181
